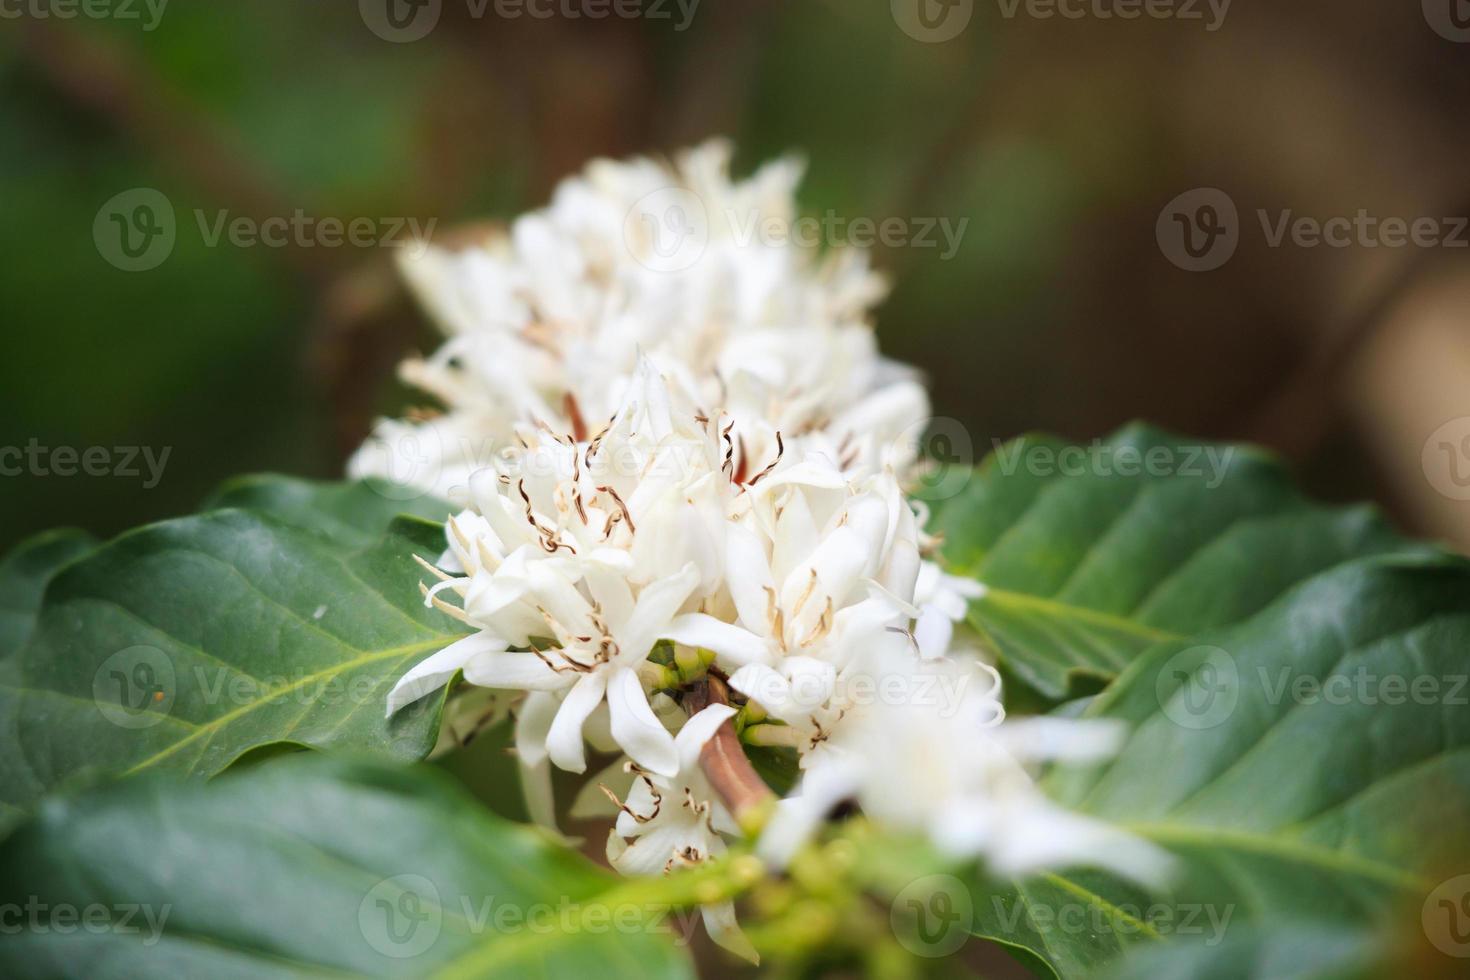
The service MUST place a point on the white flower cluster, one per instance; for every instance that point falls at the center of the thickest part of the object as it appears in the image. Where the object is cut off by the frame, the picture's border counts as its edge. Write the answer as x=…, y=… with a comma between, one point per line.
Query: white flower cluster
x=703, y=469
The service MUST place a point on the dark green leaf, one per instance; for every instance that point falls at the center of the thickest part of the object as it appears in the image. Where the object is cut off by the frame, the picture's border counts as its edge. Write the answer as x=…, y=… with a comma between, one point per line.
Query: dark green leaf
x=24, y=573
x=317, y=865
x=1092, y=554
x=352, y=514
x=1312, y=763
x=182, y=645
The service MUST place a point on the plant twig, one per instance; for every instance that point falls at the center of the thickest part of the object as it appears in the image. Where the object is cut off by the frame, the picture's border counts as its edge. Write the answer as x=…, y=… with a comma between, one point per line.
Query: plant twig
x=724, y=761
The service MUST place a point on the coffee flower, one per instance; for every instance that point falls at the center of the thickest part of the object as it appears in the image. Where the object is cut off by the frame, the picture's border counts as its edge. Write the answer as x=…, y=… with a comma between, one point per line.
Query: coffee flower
x=547, y=322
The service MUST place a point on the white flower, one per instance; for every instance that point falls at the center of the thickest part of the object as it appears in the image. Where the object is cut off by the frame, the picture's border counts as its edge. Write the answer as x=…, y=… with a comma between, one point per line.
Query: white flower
x=670, y=821
x=548, y=321
x=945, y=765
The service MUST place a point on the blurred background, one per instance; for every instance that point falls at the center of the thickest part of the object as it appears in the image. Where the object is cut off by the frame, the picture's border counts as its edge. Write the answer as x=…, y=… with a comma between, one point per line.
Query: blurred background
x=1064, y=142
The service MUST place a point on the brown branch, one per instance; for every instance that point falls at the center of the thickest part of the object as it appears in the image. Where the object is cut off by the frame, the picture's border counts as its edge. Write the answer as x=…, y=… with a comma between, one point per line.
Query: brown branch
x=724, y=761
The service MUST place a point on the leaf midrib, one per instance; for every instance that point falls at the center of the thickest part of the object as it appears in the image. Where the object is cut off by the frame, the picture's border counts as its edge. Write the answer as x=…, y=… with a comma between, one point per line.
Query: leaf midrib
x=1057, y=607
x=216, y=724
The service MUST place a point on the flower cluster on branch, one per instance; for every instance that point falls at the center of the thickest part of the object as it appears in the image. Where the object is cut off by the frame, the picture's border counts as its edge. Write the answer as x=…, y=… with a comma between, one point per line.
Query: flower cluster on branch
x=668, y=475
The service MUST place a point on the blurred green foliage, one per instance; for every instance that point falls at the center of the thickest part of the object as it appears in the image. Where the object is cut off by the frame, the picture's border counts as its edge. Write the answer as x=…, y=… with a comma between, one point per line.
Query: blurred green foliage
x=1057, y=142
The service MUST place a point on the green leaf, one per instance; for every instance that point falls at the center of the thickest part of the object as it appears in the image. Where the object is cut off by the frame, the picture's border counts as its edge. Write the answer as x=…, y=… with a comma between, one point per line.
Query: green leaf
x=183, y=645
x=24, y=573
x=319, y=865
x=1092, y=554
x=1312, y=763
x=352, y=514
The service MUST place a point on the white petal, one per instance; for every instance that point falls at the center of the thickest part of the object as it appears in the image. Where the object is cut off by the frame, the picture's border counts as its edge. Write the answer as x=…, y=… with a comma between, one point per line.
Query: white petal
x=533, y=722
x=748, y=575
x=933, y=631
x=797, y=817
x=434, y=671
x=657, y=604
x=649, y=854
x=733, y=646
x=719, y=922
x=536, y=788
x=515, y=671
x=699, y=729
x=767, y=688
x=635, y=726
x=564, y=742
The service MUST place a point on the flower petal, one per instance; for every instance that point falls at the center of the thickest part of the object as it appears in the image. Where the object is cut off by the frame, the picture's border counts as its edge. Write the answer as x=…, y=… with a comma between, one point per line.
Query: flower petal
x=564, y=742
x=733, y=646
x=533, y=722
x=636, y=728
x=434, y=671
x=719, y=922
x=657, y=604
x=515, y=671
x=747, y=576
x=699, y=729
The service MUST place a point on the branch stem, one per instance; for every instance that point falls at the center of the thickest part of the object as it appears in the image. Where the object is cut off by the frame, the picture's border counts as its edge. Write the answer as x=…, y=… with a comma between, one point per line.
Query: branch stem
x=724, y=762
